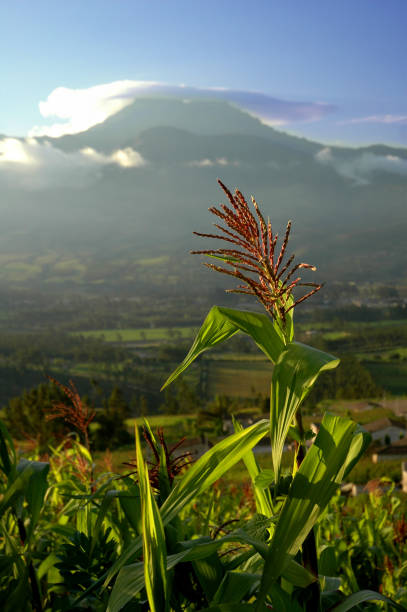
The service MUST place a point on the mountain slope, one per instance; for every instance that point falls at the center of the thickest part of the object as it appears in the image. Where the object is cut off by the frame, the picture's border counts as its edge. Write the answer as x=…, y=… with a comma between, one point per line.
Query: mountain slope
x=348, y=205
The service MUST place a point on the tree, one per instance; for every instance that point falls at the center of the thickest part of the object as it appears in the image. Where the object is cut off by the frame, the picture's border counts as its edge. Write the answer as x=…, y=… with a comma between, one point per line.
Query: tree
x=26, y=415
x=112, y=431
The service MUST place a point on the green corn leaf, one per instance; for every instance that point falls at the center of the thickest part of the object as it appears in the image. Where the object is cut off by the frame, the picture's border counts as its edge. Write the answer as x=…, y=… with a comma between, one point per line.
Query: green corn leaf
x=223, y=323
x=163, y=478
x=7, y=451
x=35, y=491
x=283, y=601
x=293, y=376
x=265, y=478
x=357, y=598
x=104, y=507
x=209, y=572
x=130, y=504
x=235, y=587
x=30, y=481
x=286, y=330
x=128, y=584
x=211, y=466
x=296, y=574
x=227, y=258
x=130, y=579
x=262, y=497
x=47, y=564
x=154, y=548
x=366, y=440
x=338, y=443
x=203, y=473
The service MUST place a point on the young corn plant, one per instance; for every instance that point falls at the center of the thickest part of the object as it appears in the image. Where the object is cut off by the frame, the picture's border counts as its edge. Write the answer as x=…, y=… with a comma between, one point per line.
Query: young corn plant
x=273, y=563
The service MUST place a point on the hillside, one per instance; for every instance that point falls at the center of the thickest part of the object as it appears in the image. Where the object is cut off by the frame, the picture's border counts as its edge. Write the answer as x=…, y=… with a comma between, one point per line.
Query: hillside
x=136, y=186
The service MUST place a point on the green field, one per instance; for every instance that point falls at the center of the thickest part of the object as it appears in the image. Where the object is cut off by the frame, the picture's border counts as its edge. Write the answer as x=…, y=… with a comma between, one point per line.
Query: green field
x=175, y=425
x=239, y=378
x=141, y=335
x=392, y=376
x=394, y=354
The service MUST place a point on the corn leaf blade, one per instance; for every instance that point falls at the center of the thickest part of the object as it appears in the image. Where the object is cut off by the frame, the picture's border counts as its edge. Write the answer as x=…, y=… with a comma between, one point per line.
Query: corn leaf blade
x=154, y=547
x=293, y=376
x=223, y=323
x=337, y=445
x=261, y=496
x=357, y=598
x=204, y=472
x=211, y=466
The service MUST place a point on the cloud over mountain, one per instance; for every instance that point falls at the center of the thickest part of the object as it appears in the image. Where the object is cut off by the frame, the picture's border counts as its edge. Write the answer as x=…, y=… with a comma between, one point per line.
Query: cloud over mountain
x=37, y=165
x=360, y=167
x=81, y=109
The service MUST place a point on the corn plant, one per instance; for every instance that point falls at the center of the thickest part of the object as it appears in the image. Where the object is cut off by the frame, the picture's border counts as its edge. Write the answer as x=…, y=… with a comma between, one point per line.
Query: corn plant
x=278, y=566
x=366, y=545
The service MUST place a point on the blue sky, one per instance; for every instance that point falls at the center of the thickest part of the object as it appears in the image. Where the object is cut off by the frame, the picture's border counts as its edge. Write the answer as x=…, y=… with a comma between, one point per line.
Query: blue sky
x=348, y=54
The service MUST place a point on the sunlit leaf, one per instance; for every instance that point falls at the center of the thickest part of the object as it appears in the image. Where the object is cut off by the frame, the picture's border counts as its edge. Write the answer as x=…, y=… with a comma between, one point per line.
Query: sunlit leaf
x=7, y=450
x=154, y=547
x=204, y=472
x=337, y=445
x=211, y=466
x=357, y=598
x=30, y=482
x=223, y=323
x=262, y=497
x=293, y=376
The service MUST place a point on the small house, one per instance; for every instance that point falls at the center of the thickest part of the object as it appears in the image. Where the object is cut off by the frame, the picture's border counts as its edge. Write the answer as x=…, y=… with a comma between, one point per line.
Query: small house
x=386, y=431
x=397, y=450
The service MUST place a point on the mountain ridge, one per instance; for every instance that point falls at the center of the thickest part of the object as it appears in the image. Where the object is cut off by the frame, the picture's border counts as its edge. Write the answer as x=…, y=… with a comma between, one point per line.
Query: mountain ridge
x=80, y=199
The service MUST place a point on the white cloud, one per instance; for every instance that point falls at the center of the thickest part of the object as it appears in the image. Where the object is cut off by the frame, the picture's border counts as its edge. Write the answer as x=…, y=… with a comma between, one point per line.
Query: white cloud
x=81, y=109
x=220, y=161
x=324, y=155
x=361, y=167
x=126, y=158
x=388, y=119
x=201, y=163
x=36, y=165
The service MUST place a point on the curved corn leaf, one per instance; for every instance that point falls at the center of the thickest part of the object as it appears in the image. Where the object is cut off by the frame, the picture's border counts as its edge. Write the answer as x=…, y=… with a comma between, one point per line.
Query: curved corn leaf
x=223, y=323
x=360, y=448
x=235, y=587
x=261, y=496
x=8, y=456
x=35, y=490
x=337, y=445
x=293, y=376
x=283, y=601
x=130, y=580
x=357, y=598
x=30, y=482
x=154, y=547
x=211, y=466
x=203, y=473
